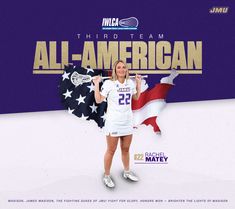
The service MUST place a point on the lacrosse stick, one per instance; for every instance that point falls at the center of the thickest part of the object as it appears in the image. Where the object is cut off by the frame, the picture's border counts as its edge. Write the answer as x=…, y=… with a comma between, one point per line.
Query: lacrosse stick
x=79, y=79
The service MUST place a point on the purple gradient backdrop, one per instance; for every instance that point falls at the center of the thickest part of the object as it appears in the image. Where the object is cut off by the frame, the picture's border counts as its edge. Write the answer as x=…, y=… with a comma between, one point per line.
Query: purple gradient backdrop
x=22, y=24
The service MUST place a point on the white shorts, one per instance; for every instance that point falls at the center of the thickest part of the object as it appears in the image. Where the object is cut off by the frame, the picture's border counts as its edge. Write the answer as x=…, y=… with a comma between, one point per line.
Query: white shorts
x=118, y=128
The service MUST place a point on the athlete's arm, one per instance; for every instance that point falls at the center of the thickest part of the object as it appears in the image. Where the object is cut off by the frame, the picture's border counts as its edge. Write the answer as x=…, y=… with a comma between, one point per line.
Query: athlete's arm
x=138, y=87
x=98, y=97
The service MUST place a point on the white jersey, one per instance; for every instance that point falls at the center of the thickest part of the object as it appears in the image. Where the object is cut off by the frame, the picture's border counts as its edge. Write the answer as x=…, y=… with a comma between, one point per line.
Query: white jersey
x=119, y=116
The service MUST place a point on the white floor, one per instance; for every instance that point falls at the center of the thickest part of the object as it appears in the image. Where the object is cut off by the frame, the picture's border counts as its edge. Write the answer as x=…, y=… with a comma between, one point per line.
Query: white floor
x=54, y=156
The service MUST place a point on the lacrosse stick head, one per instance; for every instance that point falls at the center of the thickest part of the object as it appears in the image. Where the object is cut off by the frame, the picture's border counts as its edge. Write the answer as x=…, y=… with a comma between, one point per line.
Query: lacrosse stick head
x=78, y=79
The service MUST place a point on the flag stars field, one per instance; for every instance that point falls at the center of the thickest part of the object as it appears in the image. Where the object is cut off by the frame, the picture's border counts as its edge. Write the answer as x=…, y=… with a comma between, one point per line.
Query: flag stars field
x=68, y=94
x=103, y=117
x=65, y=76
x=81, y=99
x=90, y=70
x=93, y=108
x=83, y=117
x=91, y=87
x=70, y=111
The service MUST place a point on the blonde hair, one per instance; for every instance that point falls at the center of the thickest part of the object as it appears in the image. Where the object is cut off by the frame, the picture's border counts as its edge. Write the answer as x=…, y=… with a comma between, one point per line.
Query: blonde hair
x=114, y=74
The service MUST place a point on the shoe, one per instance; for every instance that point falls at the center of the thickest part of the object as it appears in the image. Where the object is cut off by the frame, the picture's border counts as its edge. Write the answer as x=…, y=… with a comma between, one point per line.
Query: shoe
x=108, y=181
x=130, y=175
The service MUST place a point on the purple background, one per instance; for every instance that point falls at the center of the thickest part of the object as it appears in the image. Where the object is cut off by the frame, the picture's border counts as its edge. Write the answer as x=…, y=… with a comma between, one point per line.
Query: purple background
x=22, y=24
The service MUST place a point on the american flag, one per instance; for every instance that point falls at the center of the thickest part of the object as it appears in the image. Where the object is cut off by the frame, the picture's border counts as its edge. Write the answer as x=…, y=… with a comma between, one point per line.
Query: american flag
x=151, y=102
x=80, y=100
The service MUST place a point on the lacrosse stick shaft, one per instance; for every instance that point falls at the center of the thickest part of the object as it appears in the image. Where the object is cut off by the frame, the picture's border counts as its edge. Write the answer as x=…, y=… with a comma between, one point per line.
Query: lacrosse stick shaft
x=133, y=76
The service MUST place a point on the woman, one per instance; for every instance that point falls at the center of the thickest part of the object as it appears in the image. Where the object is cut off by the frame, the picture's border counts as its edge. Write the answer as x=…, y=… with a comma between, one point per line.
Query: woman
x=118, y=91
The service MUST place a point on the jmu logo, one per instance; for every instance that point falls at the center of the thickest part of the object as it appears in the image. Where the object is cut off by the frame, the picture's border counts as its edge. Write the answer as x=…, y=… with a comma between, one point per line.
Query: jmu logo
x=219, y=10
x=130, y=23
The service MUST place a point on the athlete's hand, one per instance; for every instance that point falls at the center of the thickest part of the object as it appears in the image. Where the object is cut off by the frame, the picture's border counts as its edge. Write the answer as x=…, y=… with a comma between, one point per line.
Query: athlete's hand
x=138, y=80
x=96, y=80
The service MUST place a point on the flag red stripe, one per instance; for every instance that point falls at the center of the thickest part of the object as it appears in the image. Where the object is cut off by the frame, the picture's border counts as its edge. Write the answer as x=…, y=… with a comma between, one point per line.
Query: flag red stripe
x=152, y=121
x=158, y=92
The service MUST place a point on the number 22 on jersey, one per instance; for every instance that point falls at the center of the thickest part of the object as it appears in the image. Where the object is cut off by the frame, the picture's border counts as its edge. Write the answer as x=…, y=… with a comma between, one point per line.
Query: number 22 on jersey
x=124, y=99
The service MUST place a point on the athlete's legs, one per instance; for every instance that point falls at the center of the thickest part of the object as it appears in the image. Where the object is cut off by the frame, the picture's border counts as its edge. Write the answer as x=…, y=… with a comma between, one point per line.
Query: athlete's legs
x=125, y=146
x=108, y=157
